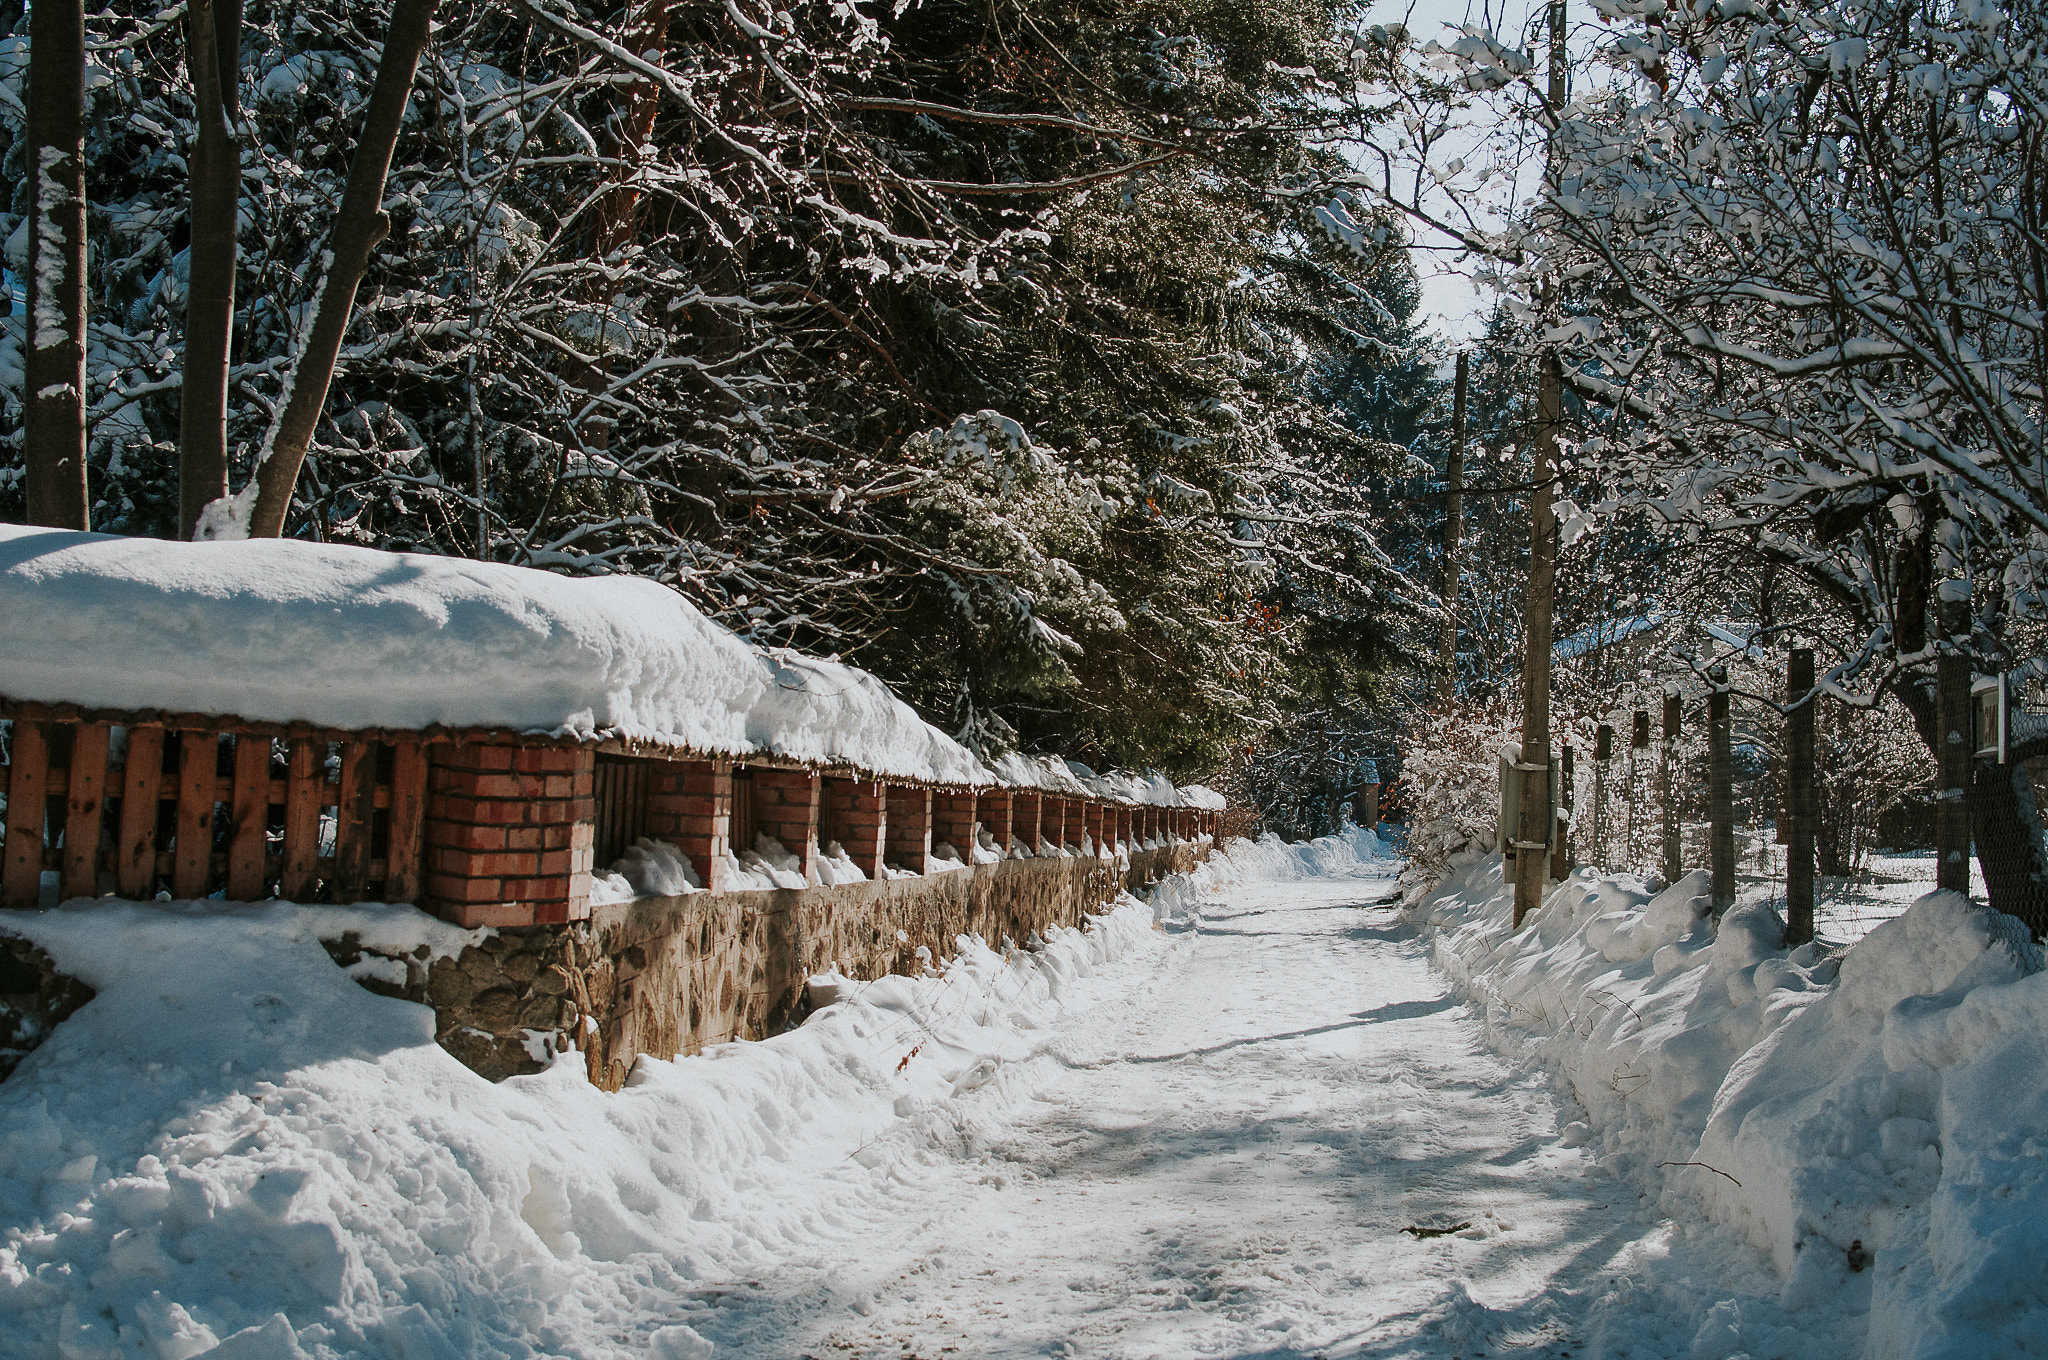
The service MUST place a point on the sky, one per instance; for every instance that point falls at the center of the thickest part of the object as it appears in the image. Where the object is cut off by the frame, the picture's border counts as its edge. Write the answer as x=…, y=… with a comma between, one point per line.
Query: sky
x=1452, y=303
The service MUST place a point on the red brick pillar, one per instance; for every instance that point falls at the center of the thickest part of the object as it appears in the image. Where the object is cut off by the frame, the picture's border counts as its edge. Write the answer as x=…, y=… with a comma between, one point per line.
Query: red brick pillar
x=1026, y=815
x=997, y=809
x=689, y=805
x=509, y=832
x=786, y=807
x=855, y=812
x=1126, y=817
x=1091, y=824
x=953, y=820
x=909, y=832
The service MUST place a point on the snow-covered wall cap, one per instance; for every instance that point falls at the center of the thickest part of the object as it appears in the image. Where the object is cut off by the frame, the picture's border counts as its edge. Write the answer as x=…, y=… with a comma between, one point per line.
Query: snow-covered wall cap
x=1048, y=774
x=1202, y=796
x=284, y=631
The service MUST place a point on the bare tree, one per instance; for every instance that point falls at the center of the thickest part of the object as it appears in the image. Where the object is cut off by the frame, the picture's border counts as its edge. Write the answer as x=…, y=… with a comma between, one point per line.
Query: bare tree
x=213, y=41
x=358, y=226
x=53, y=366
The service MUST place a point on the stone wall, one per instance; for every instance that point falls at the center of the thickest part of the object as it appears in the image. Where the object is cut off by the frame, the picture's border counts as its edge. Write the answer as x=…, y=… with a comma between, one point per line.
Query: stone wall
x=668, y=975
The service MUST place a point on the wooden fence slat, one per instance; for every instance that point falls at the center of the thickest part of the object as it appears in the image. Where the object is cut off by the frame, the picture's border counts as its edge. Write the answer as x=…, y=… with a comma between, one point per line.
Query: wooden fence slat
x=302, y=822
x=251, y=814
x=21, y=874
x=406, y=823
x=192, y=855
x=141, y=783
x=85, y=802
x=356, y=807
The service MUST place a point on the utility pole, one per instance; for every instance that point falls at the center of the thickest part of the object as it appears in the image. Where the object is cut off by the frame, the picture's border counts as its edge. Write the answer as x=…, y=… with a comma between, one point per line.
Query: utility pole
x=1536, y=824
x=1799, y=865
x=1454, y=537
x=1721, y=789
x=1954, y=759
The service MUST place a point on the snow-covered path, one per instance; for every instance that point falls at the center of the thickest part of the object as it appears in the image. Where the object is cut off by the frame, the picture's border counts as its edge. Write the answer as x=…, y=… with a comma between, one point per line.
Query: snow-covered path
x=1221, y=1163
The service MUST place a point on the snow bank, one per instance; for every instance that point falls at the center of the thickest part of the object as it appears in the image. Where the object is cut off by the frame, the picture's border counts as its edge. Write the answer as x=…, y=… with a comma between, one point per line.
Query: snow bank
x=284, y=631
x=277, y=630
x=236, y=1152
x=1876, y=1121
x=1353, y=852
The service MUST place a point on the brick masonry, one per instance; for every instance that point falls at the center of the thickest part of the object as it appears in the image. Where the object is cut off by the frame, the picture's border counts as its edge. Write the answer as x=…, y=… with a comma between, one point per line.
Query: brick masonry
x=508, y=833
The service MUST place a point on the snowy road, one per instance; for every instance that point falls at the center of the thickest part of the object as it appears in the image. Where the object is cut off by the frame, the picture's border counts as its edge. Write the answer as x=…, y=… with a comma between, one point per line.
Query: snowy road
x=1221, y=1162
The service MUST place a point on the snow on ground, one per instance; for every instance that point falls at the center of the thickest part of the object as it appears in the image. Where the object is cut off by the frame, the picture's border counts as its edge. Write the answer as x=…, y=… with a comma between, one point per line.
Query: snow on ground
x=1872, y=1120
x=235, y=1144
x=1248, y=1118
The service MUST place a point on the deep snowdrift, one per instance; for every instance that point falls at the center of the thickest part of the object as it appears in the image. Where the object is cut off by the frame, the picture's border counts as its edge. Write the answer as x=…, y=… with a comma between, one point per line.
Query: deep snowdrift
x=235, y=1151
x=1877, y=1122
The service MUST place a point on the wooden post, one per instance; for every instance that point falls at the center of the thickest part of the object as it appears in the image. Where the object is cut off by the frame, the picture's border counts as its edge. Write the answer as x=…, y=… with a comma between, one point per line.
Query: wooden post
x=28, y=775
x=1799, y=728
x=1603, y=756
x=1560, y=840
x=1639, y=742
x=249, y=817
x=1667, y=776
x=1454, y=536
x=1721, y=789
x=141, y=784
x=300, y=881
x=1952, y=781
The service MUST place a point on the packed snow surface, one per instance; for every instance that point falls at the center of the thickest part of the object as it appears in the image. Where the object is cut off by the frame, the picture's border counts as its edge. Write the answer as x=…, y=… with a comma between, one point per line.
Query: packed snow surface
x=284, y=631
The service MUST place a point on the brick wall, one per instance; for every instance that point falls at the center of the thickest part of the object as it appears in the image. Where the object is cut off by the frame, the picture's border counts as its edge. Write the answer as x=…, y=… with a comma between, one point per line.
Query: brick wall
x=508, y=833
x=689, y=805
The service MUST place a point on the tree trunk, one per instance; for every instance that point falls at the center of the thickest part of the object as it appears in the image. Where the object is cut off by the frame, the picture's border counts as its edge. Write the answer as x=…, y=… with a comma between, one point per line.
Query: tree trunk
x=53, y=364
x=1953, y=758
x=2003, y=818
x=358, y=226
x=213, y=45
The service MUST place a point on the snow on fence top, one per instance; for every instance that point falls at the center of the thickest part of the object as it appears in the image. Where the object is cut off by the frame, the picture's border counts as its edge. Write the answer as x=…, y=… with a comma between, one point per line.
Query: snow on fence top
x=283, y=631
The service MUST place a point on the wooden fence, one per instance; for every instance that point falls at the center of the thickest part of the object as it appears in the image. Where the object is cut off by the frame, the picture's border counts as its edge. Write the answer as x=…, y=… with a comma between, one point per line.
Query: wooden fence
x=193, y=807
